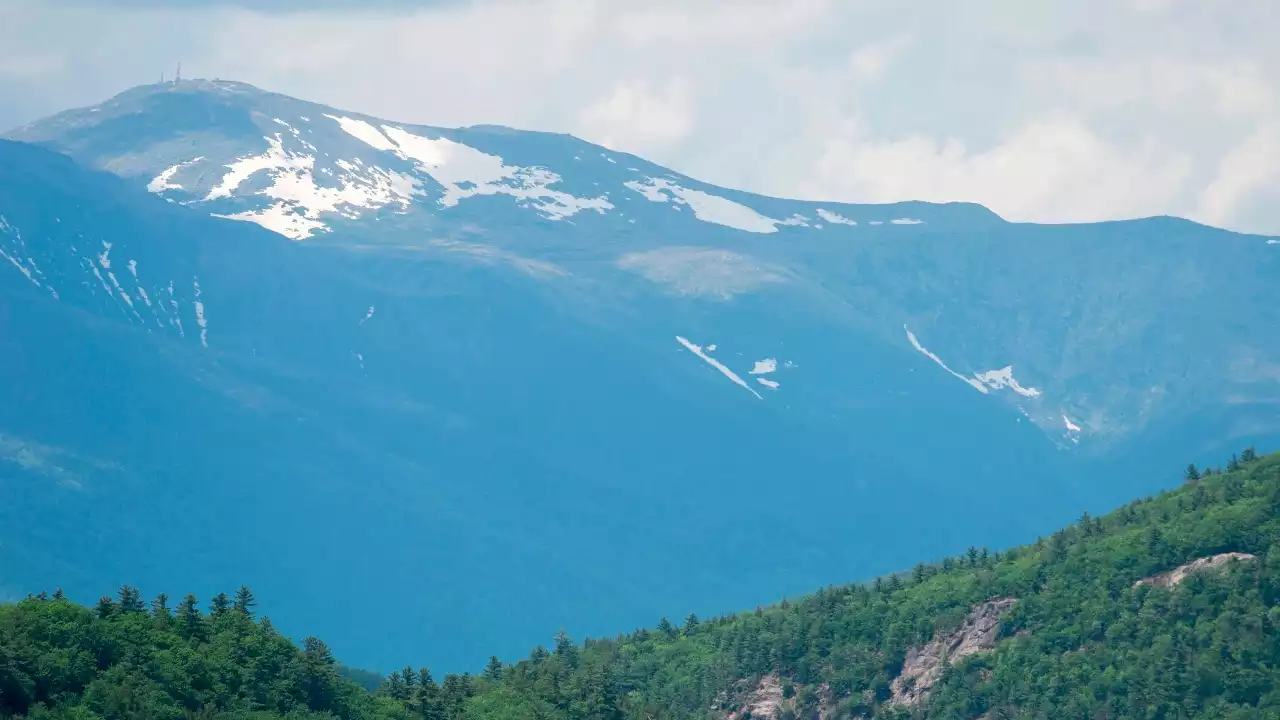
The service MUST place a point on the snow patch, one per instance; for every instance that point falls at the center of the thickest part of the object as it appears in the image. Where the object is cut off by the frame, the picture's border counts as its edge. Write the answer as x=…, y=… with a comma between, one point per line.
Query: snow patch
x=696, y=350
x=21, y=257
x=1003, y=378
x=835, y=218
x=176, y=320
x=764, y=367
x=300, y=201
x=163, y=181
x=1071, y=427
x=706, y=207
x=906, y=221
x=367, y=315
x=977, y=385
x=200, y=319
x=365, y=132
x=771, y=384
x=464, y=172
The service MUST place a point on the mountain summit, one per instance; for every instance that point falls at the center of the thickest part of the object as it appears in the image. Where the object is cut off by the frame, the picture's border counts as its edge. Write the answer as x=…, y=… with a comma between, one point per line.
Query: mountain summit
x=505, y=381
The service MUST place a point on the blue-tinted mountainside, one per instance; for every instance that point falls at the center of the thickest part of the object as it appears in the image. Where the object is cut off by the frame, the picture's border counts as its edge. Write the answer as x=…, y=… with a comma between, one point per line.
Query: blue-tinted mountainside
x=502, y=381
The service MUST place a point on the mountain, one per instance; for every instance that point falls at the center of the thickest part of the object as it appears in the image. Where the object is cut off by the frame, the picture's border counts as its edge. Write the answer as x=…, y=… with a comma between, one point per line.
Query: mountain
x=503, y=381
x=1163, y=608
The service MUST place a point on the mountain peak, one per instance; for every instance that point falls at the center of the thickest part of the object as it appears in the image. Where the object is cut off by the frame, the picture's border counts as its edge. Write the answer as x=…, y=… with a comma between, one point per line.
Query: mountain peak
x=303, y=169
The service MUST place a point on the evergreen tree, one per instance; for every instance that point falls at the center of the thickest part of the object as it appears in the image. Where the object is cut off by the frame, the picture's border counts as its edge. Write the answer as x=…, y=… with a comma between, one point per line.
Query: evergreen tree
x=130, y=600
x=189, y=616
x=493, y=671
x=160, y=606
x=1192, y=474
x=319, y=674
x=690, y=624
x=394, y=687
x=59, y=595
x=106, y=607
x=1248, y=456
x=244, y=601
x=918, y=573
x=666, y=628
x=221, y=603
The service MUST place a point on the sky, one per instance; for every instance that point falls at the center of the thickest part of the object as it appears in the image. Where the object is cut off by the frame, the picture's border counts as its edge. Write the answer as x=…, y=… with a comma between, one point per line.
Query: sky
x=1045, y=111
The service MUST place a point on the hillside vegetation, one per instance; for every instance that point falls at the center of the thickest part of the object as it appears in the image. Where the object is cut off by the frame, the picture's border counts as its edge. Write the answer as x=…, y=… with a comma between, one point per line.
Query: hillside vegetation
x=1164, y=608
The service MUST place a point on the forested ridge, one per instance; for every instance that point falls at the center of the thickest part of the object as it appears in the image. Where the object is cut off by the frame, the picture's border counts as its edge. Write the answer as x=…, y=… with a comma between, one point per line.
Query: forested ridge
x=1073, y=633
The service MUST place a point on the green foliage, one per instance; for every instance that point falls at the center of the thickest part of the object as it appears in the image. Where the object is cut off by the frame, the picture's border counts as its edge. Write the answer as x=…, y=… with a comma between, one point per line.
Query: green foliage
x=1082, y=641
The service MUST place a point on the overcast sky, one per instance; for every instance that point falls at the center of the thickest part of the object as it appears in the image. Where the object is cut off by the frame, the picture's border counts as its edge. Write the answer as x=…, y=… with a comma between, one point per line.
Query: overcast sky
x=1042, y=110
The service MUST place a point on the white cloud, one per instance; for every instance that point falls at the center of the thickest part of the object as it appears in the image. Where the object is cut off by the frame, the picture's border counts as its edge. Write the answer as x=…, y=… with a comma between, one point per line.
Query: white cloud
x=634, y=118
x=869, y=62
x=1051, y=111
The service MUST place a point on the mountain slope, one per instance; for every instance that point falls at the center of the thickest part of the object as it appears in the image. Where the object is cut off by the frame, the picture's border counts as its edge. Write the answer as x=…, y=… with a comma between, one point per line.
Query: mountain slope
x=1109, y=328
x=1164, y=608
x=465, y=391
x=429, y=424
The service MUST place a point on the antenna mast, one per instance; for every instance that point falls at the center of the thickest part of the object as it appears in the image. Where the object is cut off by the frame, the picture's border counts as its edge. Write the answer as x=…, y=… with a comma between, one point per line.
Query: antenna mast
x=177, y=78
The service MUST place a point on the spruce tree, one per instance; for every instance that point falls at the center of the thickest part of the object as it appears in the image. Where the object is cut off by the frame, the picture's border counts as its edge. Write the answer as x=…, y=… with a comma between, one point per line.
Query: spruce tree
x=1193, y=473
x=493, y=671
x=221, y=603
x=244, y=602
x=189, y=615
x=690, y=624
x=106, y=607
x=130, y=599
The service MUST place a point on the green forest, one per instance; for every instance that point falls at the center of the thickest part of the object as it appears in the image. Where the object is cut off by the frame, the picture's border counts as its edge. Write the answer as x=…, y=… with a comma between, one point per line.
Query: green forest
x=1101, y=619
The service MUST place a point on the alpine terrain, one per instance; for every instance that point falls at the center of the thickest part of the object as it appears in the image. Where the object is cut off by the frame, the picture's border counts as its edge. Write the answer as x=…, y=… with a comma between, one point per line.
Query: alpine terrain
x=491, y=382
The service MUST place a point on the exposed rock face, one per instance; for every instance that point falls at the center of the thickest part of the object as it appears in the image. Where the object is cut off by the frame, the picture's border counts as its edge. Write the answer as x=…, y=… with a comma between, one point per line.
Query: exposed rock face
x=766, y=700
x=924, y=665
x=762, y=702
x=1180, y=573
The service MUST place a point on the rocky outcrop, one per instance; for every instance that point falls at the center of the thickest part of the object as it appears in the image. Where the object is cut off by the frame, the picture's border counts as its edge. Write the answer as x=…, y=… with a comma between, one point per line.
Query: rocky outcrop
x=924, y=665
x=1180, y=573
x=768, y=699
x=762, y=702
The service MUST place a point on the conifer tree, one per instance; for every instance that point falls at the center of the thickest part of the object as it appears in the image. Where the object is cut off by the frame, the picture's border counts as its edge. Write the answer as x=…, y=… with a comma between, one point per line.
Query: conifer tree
x=244, y=601
x=189, y=615
x=493, y=671
x=221, y=603
x=106, y=607
x=1193, y=473
x=690, y=624
x=130, y=599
